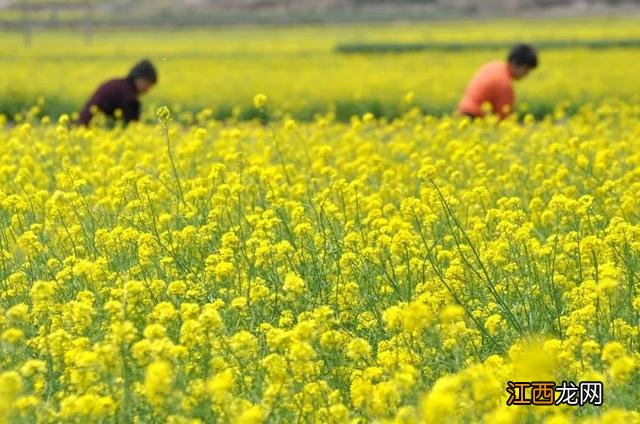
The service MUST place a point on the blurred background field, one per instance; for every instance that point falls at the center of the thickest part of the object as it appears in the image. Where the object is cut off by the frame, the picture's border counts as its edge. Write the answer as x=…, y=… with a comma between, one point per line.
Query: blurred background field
x=369, y=271
x=313, y=68
x=172, y=13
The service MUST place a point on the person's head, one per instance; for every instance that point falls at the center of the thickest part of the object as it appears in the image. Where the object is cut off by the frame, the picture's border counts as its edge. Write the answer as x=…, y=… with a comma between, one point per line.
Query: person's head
x=143, y=75
x=522, y=59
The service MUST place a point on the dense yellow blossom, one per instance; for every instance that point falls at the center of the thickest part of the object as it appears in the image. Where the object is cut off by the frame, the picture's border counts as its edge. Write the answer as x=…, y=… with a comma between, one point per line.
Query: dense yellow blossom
x=391, y=271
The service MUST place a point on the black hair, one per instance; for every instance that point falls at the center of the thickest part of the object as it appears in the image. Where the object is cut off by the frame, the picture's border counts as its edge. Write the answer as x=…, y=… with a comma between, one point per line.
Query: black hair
x=523, y=55
x=145, y=70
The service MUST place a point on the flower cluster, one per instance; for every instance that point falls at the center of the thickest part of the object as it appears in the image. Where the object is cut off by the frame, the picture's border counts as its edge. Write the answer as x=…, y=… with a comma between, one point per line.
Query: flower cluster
x=298, y=272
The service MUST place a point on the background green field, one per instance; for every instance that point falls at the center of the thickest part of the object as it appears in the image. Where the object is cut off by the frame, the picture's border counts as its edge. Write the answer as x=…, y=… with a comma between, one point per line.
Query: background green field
x=303, y=71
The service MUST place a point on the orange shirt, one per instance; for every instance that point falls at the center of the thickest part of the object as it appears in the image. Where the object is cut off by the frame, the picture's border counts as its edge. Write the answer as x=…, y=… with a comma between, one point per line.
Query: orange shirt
x=492, y=83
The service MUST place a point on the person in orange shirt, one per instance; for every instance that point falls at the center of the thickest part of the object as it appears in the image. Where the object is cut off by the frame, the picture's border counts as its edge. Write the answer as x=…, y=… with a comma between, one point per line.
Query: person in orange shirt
x=493, y=83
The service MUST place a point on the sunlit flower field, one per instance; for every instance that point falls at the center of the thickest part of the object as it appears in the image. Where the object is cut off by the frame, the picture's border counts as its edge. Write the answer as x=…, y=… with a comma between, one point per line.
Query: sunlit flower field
x=377, y=271
x=339, y=249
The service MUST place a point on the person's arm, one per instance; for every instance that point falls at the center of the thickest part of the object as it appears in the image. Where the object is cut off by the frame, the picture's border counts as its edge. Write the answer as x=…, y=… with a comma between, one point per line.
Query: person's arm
x=85, y=115
x=99, y=100
x=503, y=100
x=131, y=110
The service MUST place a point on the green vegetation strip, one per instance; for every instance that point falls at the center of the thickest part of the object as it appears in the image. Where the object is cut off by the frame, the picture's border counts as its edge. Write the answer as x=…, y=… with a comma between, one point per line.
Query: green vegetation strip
x=341, y=109
x=374, y=48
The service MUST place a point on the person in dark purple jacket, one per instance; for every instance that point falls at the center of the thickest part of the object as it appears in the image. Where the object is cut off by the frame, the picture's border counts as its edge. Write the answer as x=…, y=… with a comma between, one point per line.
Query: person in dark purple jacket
x=121, y=94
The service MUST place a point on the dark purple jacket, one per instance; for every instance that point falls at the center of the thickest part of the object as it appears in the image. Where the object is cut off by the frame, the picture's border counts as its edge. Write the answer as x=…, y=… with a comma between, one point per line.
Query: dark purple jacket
x=114, y=94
